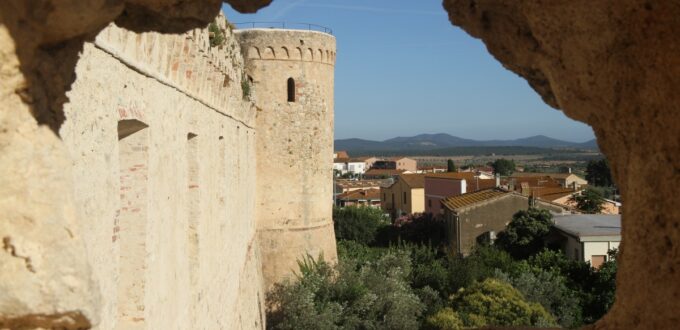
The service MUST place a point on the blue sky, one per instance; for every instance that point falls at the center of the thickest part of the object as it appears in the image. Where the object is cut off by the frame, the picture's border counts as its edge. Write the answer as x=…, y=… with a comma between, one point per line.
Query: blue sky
x=402, y=69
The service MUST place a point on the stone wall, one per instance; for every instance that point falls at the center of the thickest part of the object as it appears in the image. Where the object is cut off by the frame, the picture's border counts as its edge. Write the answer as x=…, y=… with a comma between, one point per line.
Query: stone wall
x=163, y=153
x=294, y=145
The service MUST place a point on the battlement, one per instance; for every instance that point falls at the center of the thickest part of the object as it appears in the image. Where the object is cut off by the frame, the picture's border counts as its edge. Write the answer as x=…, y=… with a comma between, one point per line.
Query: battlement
x=287, y=45
x=186, y=62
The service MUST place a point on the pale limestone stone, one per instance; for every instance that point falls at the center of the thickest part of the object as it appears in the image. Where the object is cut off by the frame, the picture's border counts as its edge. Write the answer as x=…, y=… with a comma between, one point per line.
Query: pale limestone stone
x=294, y=145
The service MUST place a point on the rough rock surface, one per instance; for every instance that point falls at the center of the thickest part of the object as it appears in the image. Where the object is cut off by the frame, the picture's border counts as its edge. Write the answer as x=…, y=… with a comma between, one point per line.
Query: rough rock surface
x=616, y=66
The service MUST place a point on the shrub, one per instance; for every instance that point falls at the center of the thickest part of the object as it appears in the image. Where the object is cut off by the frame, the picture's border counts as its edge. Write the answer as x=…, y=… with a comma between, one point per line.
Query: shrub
x=444, y=319
x=550, y=290
x=245, y=87
x=481, y=264
x=373, y=296
x=216, y=35
x=420, y=228
x=496, y=303
x=358, y=224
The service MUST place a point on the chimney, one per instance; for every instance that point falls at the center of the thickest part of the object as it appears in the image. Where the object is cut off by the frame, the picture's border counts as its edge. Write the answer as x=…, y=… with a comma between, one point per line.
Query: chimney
x=498, y=180
x=569, y=170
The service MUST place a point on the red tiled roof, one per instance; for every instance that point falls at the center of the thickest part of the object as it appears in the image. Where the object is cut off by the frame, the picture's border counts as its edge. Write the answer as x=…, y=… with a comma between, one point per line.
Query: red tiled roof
x=361, y=194
x=452, y=175
x=464, y=200
x=413, y=180
x=345, y=184
x=550, y=193
x=480, y=184
x=379, y=171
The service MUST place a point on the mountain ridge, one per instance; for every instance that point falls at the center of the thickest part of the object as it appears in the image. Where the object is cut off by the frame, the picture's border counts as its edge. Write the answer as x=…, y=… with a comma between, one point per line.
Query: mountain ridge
x=444, y=140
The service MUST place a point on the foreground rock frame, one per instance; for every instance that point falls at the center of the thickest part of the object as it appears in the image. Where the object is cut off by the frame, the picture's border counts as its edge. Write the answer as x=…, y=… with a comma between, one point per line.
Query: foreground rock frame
x=611, y=64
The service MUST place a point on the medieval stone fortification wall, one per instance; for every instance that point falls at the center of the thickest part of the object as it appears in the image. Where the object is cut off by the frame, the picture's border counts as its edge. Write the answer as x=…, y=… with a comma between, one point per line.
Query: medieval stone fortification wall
x=292, y=86
x=163, y=151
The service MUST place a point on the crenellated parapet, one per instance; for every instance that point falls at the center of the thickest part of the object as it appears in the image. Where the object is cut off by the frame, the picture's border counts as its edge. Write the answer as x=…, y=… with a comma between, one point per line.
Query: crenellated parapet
x=210, y=74
x=288, y=45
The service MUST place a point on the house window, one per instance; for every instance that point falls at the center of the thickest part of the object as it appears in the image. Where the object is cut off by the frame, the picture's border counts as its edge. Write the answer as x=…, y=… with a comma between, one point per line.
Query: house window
x=429, y=203
x=405, y=201
x=291, y=90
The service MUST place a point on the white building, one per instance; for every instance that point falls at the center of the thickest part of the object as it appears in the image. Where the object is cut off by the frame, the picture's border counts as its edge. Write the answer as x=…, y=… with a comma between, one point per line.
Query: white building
x=588, y=237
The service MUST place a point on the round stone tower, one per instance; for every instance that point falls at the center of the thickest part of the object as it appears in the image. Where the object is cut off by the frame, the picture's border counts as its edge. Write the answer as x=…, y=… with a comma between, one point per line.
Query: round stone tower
x=290, y=79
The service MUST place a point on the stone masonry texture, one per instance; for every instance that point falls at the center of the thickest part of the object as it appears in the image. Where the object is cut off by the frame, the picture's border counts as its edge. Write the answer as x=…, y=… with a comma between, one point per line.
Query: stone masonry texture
x=294, y=145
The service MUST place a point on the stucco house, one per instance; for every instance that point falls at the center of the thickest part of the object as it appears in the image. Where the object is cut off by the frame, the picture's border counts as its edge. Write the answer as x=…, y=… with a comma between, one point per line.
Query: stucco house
x=396, y=163
x=566, y=180
x=442, y=185
x=405, y=196
x=480, y=215
x=361, y=197
x=587, y=237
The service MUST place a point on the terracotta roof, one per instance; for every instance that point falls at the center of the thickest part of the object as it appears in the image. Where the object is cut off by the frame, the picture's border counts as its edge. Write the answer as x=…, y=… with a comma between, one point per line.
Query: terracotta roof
x=550, y=193
x=464, y=200
x=380, y=171
x=452, y=175
x=536, y=181
x=532, y=174
x=413, y=180
x=341, y=154
x=361, y=194
x=361, y=183
x=480, y=184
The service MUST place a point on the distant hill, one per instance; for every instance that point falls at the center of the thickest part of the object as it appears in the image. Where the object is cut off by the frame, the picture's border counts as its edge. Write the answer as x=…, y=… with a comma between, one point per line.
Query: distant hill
x=424, y=142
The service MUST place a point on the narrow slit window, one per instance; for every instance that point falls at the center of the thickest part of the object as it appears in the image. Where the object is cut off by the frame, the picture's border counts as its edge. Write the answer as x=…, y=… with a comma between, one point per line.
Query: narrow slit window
x=291, y=90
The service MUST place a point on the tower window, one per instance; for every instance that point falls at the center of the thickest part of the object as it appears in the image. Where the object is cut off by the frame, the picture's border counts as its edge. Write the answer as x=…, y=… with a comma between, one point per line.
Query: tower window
x=291, y=90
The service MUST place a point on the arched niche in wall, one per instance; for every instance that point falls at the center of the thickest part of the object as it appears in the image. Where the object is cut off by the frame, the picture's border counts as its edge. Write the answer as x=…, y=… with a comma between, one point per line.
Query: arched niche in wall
x=133, y=154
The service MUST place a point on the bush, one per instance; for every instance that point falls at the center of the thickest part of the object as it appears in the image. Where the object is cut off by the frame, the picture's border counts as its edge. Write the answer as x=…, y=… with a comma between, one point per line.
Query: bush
x=496, y=303
x=415, y=228
x=550, y=290
x=216, y=35
x=358, y=224
x=445, y=319
x=525, y=235
x=373, y=296
x=481, y=264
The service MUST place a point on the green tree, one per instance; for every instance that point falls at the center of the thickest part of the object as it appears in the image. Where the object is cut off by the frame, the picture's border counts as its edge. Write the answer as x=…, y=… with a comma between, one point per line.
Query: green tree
x=495, y=303
x=450, y=166
x=550, y=290
x=358, y=223
x=525, y=233
x=503, y=167
x=598, y=173
x=589, y=201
